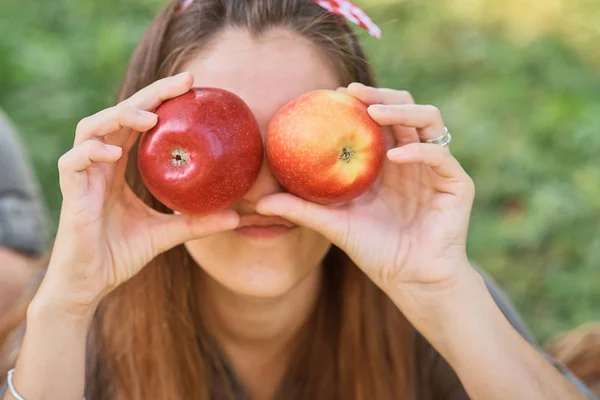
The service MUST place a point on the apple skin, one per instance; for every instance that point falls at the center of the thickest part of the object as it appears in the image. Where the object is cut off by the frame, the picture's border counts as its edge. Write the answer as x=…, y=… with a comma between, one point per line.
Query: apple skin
x=305, y=145
x=204, y=153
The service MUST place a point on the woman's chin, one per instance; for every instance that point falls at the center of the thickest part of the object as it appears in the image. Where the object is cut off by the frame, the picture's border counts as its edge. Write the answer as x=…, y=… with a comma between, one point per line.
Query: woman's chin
x=260, y=263
x=265, y=281
x=261, y=280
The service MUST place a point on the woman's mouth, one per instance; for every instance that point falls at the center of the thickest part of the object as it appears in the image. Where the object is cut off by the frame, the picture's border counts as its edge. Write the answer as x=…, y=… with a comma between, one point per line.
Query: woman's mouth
x=258, y=226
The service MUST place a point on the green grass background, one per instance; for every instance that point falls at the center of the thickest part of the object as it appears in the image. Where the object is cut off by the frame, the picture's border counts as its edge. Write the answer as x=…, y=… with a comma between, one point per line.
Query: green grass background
x=517, y=81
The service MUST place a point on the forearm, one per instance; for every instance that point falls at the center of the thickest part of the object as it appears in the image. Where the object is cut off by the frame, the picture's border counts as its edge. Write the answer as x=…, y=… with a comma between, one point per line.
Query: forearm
x=490, y=357
x=51, y=363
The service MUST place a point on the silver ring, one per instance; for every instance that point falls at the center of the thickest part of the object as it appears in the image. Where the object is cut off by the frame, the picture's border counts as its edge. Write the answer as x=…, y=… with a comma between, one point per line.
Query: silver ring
x=443, y=140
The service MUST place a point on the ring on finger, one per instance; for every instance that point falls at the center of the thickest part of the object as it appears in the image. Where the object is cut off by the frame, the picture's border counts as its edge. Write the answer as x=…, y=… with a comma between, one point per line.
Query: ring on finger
x=443, y=140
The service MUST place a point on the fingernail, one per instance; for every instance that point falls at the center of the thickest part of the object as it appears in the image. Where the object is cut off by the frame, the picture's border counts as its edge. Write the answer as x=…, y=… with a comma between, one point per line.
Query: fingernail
x=356, y=84
x=380, y=108
x=396, y=152
x=264, y=210
x=147, y=115
x=263, y=207
x=181, y=75
x=112, y=149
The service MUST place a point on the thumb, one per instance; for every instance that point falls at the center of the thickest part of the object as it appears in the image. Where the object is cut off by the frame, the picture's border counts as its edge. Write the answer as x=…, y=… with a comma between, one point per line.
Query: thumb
x=173, y=230
x=329, y=221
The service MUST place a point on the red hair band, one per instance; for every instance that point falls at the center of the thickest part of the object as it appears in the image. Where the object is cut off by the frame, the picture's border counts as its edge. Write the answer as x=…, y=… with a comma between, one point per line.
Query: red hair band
x=352, y=13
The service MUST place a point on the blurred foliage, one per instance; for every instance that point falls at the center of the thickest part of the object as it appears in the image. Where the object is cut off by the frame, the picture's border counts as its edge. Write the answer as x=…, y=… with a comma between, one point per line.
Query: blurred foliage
x=518, y=82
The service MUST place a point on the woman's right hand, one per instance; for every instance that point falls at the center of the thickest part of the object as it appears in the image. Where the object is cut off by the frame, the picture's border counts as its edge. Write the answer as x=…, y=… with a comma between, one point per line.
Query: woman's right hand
x=106, y=234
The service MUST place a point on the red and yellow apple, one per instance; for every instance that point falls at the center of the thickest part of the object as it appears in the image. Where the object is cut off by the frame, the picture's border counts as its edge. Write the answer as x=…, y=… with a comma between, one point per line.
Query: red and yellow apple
x=204, y=153
x=325, y=147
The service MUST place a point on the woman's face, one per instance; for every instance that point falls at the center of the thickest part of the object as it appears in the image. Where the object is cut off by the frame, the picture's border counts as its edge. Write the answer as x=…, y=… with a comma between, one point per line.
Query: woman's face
x=267, y=257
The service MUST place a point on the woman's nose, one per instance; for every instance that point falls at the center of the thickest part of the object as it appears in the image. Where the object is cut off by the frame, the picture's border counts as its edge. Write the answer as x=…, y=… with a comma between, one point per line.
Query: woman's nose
x=264, y=185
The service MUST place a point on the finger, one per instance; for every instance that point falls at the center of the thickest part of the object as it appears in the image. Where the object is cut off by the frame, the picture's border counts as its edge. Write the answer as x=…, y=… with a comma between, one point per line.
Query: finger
x=428, y=119
x=111, y=120
x=81, y=157
x=432, y=155
x=134, y=112
x=370, y=96
x=154, y=94
x=173, y=230
x=320, y=218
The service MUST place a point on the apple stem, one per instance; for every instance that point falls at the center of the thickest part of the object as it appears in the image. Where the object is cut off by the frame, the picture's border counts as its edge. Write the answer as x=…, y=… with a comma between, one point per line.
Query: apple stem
x=346, y=154
x=180, y=157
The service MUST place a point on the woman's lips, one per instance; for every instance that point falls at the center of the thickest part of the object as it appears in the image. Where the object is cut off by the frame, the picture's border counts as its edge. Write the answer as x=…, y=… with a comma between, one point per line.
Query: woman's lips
x=263, y=232
x=258, y=226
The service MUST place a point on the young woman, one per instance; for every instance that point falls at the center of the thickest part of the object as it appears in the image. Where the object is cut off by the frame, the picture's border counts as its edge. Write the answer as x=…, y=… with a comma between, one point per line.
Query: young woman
x=374, y=299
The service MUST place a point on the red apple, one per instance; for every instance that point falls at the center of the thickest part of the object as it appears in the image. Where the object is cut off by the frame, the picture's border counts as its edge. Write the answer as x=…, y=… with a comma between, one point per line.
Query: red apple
x=324, y=147
x=204, y=153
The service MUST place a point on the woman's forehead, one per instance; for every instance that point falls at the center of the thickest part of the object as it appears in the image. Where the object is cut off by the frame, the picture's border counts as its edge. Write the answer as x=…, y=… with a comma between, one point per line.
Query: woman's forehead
x=266, y=72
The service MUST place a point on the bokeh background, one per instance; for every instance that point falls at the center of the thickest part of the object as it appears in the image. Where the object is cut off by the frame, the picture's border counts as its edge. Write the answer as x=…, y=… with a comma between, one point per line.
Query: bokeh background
x=517, y=80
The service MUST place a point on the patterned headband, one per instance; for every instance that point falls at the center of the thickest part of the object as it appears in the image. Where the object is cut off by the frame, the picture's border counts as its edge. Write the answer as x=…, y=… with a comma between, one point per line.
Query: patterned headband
x=344, y=8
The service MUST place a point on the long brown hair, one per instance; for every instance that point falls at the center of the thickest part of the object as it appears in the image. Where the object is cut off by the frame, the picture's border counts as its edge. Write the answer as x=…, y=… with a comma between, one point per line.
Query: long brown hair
x=147, y=340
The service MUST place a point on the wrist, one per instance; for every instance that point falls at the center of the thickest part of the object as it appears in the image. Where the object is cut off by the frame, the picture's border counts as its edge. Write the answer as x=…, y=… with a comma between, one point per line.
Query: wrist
x=48, y=306
x=441, y=311
x=72, y=295
x=440, y=296
x=53, y=349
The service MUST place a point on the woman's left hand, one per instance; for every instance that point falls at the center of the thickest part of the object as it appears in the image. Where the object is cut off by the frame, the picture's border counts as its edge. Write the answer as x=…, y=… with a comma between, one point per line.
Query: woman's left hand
x=410, y=228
